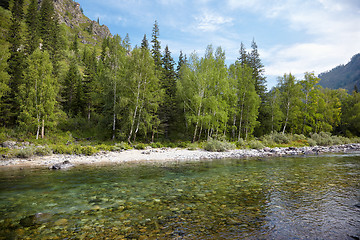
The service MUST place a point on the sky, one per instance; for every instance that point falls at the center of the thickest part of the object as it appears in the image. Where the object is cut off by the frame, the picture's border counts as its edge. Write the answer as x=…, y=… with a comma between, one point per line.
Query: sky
x=293, y=36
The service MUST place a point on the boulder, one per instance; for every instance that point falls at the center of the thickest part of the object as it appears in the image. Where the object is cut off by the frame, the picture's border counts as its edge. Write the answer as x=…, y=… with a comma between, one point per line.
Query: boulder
x=60, y=166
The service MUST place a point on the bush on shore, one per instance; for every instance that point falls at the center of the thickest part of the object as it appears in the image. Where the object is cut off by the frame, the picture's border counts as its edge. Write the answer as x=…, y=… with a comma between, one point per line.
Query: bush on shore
x=213, y=145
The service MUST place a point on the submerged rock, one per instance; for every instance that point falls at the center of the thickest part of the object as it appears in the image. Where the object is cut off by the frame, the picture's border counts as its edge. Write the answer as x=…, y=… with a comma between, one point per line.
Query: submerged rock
x=35, y=219
x=64, y=165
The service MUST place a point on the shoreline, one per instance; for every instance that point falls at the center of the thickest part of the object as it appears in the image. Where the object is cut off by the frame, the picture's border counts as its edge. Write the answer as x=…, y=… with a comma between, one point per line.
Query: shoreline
x=61, y=161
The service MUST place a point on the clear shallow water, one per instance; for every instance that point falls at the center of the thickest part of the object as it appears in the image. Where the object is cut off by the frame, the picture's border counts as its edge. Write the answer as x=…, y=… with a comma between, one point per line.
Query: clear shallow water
x=312, y=197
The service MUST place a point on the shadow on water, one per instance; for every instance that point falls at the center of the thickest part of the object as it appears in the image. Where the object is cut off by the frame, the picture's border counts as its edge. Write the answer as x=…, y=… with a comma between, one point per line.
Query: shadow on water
x=276, y=198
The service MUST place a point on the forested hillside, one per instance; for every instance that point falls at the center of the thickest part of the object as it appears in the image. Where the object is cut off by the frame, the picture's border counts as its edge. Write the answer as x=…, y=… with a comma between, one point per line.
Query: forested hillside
x=343, y=76
x=62, y=73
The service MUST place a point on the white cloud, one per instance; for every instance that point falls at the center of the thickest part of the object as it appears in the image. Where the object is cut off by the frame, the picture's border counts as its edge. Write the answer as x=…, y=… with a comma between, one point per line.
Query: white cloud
x=331, y=28
x=210, y=21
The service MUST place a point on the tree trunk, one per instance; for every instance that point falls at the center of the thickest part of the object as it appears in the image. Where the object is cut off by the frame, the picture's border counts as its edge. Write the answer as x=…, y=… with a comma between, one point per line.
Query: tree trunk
x=43, y=128
x=287, y=116
x=135, y=112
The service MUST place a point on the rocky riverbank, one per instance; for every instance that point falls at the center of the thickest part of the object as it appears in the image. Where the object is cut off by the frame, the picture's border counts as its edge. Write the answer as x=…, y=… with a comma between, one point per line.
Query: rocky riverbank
x=60, y=161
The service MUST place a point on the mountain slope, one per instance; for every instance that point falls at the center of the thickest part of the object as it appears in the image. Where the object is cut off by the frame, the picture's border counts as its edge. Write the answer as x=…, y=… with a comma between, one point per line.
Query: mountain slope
x=343, y=76
x=70, y=13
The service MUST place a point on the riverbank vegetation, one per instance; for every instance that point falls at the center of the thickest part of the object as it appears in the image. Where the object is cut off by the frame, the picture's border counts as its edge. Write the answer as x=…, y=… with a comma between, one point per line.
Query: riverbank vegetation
x=77, y=98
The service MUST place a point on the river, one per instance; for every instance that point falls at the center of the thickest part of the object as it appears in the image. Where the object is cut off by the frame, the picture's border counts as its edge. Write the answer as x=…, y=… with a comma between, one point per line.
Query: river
x=312, y=197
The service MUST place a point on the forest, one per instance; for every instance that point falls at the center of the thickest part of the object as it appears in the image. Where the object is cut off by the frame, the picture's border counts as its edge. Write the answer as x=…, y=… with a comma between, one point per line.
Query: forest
x=52, y=85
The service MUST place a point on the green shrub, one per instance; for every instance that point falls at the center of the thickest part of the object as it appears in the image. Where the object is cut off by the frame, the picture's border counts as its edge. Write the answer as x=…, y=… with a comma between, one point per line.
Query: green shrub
x=24, y=152
x=193, y=146
x=88, y=150
x=355, y=140
x=322, y=138
x=183, y=144
x=156, y=145
x=62, y=149
x=43, y=151
x=213, y=145
x=255, y=144
x=104, y=147
x=3, y=150
x=297, y=137
x=140, y=146
x=311, y=142
x=241, y=143
x=121, y=146
x=76, y=149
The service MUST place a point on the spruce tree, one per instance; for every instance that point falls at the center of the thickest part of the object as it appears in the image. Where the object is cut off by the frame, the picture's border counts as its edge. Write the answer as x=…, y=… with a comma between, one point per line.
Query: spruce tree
x=50, y=33
x=156, y=48
x=181, y=62
x=168, y=83
x=32, y=23
x=89, y=82
x=257, y=70
x=260, y=87
x=72, y=90
x=16, y=65
x=145, y=43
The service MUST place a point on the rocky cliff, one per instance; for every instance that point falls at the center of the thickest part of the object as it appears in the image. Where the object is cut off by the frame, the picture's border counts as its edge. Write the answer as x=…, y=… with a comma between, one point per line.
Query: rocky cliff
x=89, y=31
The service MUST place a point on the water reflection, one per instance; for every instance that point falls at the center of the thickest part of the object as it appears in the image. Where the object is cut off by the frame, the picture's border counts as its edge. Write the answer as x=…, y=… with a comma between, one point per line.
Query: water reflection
x=278, y=198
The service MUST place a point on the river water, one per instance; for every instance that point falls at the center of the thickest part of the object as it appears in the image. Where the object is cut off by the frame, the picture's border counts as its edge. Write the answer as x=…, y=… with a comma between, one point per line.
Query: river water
x=313, y=197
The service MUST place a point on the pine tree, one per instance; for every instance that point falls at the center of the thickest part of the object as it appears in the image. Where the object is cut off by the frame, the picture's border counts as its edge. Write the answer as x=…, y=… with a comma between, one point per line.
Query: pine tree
x=32, y=23
x=89, y=82
x=4, y=76
x=50, y=33
x=257, y=71
x=75, y=45
x=243, y=59
x=156, y=49
x=168, y=83
x=181, y=62
x=16, y=65
x=145, y=43
x=72, y=90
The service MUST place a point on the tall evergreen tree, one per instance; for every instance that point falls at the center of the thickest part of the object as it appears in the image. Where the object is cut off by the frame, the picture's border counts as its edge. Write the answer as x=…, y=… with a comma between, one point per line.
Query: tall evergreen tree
x=156, y=48
x=89, y=82
x=145, y=43
x=16, y=64
x=72, y=90
x=50, y=33
x=257, y=70
x=32, y=23
x=168, y=83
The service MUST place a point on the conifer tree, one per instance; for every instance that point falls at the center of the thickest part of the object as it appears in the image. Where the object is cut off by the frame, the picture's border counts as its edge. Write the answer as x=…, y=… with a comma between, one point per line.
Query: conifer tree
x=89, y=82
x=257, y=70
x=72, y=90
x=145, y=43
x=4, y=76
x=168, y=83
x=181, y=62
x=156, y=49
x=50, y=33
x=32, y=23
x=16, y=65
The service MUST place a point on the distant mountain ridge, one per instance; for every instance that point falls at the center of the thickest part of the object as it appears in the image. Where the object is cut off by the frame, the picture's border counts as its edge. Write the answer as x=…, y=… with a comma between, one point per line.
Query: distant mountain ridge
x=343, y=76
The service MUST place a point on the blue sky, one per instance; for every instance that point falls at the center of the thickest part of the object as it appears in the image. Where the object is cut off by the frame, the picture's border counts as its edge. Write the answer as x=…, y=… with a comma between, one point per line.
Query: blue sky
x=294, y=36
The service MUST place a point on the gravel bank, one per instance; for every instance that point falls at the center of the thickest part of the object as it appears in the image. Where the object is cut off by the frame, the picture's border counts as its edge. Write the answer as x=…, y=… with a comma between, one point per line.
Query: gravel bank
x=59, y=161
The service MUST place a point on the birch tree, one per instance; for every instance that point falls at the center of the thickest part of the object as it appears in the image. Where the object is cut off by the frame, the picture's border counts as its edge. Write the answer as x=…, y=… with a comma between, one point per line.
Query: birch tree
x=38, y=94
x=290, y=97
x=142, y=95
